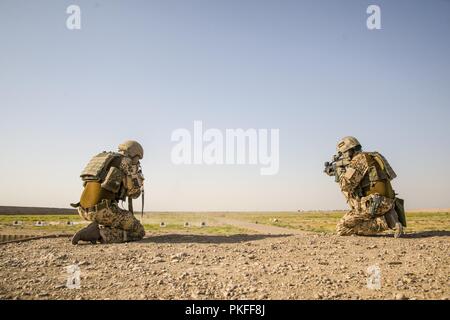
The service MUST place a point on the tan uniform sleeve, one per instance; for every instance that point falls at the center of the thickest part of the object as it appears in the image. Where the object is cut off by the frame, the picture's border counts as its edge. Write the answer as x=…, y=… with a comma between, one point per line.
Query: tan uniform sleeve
x=354, y=173
x=133, y=180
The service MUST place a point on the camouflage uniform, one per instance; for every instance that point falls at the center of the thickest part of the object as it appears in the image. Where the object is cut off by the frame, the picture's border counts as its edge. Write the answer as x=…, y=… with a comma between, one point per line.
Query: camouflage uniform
x=363, y=218
x=108, y=178
x=360, y=221
x=117, y=225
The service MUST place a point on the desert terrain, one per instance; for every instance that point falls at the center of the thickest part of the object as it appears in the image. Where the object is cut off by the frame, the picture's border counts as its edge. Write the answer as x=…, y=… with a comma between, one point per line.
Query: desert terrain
x=228, y=256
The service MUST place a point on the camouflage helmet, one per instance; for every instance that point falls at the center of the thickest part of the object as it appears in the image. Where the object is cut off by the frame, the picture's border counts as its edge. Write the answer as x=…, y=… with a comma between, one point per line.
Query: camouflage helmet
x=347, y=143
x=132, y=149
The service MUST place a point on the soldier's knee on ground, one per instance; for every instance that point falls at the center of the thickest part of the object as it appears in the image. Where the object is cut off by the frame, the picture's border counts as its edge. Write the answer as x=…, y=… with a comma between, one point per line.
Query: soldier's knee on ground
x=134, y=235
x=137, y=232
x=116, y=235
x=141, y=230
x=112, y=235
x=372, y=227
x=342, y=230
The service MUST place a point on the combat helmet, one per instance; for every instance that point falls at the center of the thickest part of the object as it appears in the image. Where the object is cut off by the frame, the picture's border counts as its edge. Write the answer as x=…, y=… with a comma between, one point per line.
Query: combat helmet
x=347, y=143
x=132, y=149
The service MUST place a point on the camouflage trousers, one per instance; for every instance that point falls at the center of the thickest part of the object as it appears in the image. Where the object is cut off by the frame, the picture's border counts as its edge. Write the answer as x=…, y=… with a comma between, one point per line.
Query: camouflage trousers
x=364, y=218
x=116, y=225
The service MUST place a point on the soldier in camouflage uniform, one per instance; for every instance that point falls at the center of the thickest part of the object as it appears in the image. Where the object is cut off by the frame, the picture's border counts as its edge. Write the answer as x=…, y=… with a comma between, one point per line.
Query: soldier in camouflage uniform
x=108, y=178
x=364, y=179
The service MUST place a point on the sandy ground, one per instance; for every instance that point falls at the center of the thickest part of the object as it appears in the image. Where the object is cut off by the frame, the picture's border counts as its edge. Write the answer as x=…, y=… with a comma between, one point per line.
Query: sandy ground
x=254, y=266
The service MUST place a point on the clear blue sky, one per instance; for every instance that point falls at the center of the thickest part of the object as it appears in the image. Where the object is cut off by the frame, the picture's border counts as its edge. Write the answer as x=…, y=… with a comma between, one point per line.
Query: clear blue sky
x=140, y=69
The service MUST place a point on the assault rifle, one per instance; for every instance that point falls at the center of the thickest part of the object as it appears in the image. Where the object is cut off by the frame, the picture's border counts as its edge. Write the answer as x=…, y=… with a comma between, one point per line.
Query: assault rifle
x=337, y=166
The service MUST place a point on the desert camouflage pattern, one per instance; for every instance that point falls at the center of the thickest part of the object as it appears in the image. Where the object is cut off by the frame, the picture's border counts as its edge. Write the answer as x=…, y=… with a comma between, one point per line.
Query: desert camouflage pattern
x=354, y=173
x=383, y=207
x=116, y=225
x=360, y=223
x=132, y=149
x=123, y=179
x=361, y=219
x=346, y=144
x=134, y=180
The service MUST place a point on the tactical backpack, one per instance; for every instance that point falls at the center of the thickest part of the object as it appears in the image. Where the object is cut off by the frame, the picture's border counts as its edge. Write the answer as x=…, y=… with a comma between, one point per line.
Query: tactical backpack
x=384, y=165
x=399, y=204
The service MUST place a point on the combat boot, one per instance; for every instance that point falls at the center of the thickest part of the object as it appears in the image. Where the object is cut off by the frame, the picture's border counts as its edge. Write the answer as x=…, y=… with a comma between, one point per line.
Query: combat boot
x=398, y=230
x=394, y=223
x=90, y=233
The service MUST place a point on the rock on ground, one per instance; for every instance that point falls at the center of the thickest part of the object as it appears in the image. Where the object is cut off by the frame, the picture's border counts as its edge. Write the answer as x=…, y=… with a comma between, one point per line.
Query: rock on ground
x=305, y=266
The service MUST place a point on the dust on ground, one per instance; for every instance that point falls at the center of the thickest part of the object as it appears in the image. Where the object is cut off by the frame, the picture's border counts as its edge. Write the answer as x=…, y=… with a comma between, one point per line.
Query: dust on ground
x=241, y=266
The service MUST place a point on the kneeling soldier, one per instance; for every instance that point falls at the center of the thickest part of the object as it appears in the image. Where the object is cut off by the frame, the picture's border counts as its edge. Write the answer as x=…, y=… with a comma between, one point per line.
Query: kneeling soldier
x=365, y=180
x=108, y=178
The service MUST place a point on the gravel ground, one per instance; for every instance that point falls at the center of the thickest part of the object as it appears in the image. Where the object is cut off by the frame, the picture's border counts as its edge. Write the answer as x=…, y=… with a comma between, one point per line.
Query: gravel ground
x=258, y=266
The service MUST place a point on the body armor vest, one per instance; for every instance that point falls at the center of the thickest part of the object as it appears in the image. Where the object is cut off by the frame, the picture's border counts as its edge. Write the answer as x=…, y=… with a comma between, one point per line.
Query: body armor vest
x=102, y=179
x=378, y=177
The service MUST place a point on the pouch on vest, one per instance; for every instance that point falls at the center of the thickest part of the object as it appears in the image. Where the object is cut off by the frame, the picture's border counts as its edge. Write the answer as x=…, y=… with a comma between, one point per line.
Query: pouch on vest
x=113, y=180
x=376, y=205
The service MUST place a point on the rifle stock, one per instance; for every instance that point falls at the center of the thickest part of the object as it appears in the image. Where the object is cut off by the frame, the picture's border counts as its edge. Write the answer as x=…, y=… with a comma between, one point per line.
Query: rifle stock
x=336, y=167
